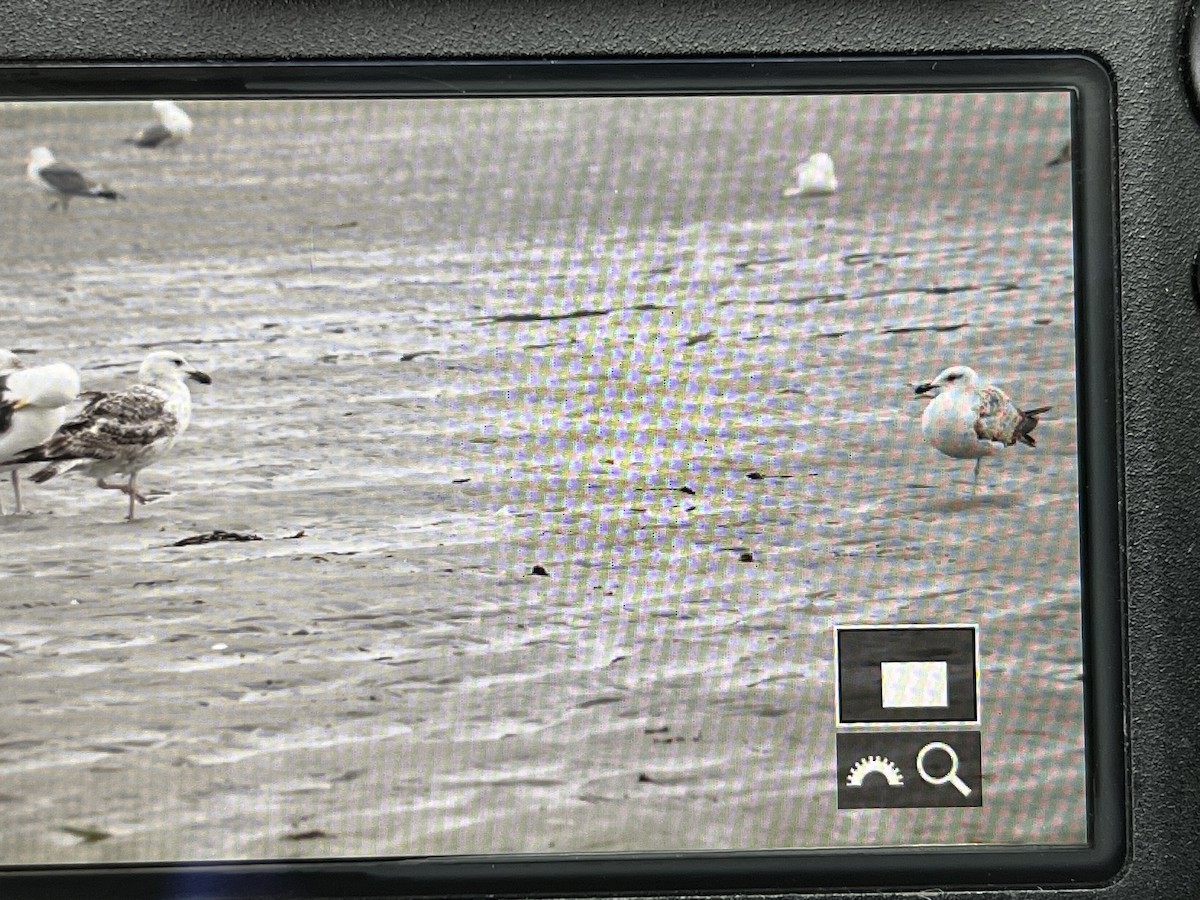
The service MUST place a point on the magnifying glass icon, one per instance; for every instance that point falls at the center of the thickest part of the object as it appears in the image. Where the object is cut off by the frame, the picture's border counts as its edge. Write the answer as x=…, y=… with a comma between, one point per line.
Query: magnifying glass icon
x=950, y=777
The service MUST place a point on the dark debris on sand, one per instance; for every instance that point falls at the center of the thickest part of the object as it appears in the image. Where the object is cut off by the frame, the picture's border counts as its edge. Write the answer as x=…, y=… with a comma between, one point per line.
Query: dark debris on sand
x=213, y=537
x=310, y=835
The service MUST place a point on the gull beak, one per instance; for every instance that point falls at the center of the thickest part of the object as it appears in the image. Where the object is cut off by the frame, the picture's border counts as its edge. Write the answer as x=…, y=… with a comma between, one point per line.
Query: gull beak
x=924, y=388
x=20, y=404
x=197, y=375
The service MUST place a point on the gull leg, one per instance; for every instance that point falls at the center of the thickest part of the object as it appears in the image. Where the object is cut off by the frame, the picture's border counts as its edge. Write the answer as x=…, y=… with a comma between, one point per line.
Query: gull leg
x=16, y=481
x=130, y=489
x=135, y=496
x=975, y=483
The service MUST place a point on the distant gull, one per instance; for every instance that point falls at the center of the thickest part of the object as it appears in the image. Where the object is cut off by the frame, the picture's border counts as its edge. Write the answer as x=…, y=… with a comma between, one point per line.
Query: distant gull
x=813, y=178
x=63, y=181
x=1064, y=156
x=970, y=420
x=33, y=403
x=173, y=126
x=122, y=432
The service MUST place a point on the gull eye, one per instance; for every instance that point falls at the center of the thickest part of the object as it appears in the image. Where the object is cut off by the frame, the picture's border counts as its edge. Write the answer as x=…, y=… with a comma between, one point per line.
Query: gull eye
x=178, y=362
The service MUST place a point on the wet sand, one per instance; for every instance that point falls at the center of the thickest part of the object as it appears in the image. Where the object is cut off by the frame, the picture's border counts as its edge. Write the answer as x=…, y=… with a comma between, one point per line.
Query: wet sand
x=449, y=345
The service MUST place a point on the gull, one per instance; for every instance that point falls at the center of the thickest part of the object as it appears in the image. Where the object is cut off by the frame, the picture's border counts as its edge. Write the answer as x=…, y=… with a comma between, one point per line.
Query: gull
x=173, y=126
x=813, y=177
x=122, y=432
x=969, y=419
x=33, y=404
x=1064, y=156
x=62, y=180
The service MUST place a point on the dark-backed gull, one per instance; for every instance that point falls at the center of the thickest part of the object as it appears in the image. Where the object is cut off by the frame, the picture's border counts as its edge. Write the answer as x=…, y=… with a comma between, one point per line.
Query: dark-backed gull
x=173, y=126
x=125, y=431
x=33, y=404
x=62, y=180
x=969, y=419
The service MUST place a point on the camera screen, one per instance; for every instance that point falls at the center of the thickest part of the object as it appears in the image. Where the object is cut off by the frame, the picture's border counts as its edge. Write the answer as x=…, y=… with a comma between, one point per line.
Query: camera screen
x=538, y=475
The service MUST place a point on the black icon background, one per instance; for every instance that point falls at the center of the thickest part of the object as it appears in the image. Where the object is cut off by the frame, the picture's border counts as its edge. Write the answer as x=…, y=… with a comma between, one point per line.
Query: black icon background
x=902, y=747
x=861, y=652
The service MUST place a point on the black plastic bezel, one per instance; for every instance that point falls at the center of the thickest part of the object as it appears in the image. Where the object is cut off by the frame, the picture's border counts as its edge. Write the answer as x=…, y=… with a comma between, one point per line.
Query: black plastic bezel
x=1100, y=468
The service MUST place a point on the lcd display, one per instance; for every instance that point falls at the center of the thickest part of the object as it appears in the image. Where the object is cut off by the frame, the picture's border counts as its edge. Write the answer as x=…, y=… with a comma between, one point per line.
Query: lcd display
x=561, y=475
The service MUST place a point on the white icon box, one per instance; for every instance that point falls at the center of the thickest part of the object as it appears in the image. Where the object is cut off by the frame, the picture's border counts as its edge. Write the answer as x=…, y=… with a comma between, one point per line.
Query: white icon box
x=911, y=674
x=913, y=685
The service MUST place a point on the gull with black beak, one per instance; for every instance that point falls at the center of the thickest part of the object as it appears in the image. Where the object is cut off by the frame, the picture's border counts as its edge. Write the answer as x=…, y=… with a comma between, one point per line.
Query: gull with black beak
x=969, y=419
x=122, y=432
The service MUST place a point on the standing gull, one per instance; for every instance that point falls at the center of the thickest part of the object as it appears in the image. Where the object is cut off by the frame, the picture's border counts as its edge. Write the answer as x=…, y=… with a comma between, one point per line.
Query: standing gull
x=33, y=403
x=125, y=431
x=970, y=420
x=173, y=126
x=62, y=180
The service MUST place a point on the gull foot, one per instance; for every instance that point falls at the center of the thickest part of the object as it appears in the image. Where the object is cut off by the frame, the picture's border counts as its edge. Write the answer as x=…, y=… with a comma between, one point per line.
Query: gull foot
x=126, y=489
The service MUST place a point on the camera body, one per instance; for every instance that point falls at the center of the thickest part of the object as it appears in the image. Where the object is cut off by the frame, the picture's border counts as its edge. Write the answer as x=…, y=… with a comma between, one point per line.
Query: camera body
x=1145, y=47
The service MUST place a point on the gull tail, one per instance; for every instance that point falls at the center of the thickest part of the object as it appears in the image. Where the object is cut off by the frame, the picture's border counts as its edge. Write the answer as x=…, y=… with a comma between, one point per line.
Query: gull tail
x=41, y=453
x=32, y=455
x=58, y=468
x=104, y=192
x=1029, y=420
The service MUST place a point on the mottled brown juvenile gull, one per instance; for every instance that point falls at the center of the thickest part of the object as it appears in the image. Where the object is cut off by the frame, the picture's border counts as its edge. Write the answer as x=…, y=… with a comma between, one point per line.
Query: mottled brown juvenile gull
x=33, y=404
x=125, y=431
x=62, y=180
x=969, y=419
x=173, y=126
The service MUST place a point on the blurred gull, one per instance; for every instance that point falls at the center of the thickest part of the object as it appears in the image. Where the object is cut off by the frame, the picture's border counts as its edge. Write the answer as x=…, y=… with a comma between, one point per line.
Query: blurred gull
x=813, y=178
x=33, y=403
x=173, y=126
x=969, y=419
x=1064, y=156
x=124, y=431
x=62, y=180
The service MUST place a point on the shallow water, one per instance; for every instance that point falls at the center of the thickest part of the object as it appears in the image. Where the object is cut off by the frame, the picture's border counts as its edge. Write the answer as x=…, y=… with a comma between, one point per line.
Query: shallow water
x=450, y=344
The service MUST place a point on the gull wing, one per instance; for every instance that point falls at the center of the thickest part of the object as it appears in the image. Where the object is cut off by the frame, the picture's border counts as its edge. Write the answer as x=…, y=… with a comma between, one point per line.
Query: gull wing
x=64, y=179
x=112, y=425
x=997, y=417
x=151, y=136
